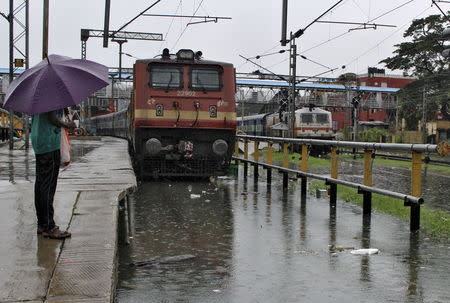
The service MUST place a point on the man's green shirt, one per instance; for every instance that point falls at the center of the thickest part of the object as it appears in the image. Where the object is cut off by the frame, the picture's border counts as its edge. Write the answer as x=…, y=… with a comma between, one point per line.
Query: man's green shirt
x=45, y=136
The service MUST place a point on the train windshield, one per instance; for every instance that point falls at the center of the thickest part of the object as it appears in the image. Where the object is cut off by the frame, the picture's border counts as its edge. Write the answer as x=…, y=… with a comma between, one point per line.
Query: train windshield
x=307, y=118
x=205, y=79
x=165, y=77
x=322, y=118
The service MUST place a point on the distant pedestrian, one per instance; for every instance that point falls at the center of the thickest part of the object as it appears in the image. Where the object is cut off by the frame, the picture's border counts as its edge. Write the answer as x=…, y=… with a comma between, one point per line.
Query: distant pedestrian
x=46, y=141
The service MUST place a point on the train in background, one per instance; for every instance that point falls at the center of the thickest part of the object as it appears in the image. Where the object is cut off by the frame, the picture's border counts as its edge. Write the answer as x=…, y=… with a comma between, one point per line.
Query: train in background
x=182, y=117
x=310, y=123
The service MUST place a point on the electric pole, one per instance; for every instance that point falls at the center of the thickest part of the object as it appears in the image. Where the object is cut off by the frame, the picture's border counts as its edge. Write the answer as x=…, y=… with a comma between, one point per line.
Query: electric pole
x=293, y=78
x=424, y=113
x=11, y=69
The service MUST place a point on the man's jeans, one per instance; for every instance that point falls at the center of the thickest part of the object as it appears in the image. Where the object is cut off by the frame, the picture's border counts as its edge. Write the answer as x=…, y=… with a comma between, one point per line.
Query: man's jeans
x=47, y=170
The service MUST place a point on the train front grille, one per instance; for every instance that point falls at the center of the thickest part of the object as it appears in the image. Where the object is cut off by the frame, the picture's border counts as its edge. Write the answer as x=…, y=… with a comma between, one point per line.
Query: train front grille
x=190, y=167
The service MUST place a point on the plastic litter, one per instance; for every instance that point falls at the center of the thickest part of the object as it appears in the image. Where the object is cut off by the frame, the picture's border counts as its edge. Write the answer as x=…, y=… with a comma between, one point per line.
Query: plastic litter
x=195, y=196
x=365, y=251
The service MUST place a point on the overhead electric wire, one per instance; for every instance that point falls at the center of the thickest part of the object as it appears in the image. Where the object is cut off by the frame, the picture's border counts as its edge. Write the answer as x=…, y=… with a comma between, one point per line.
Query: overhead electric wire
x=371, y=20
x=326, y=12
x=260, y=66
x=283, y=78
x=185, y=28
x=390, y=11
x=378, y=44
x=129, y=22
x=171, y=23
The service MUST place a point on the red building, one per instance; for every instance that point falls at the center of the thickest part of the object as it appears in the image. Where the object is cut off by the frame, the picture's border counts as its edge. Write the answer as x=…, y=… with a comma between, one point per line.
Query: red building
x=380, y=107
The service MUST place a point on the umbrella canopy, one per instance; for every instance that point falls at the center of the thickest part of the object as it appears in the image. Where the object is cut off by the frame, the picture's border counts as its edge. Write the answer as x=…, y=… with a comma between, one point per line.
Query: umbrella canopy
x=56, y=82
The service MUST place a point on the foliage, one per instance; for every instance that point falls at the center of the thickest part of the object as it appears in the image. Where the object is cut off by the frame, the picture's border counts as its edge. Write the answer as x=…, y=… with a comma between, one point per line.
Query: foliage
x=373, y=135
x=436, y=91
x=421, y=57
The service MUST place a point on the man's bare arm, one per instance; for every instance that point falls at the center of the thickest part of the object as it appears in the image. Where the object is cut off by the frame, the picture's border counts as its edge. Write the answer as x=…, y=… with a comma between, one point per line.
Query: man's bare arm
x=54, y=120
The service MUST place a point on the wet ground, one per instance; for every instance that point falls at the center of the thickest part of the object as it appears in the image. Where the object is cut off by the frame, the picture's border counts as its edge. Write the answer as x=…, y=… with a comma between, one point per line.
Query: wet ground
x=80, y=269
x=232, y=240
x=20, y=164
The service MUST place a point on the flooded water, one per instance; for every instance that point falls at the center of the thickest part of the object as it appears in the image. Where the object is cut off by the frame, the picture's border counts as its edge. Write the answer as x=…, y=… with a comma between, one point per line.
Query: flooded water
x=235, y=241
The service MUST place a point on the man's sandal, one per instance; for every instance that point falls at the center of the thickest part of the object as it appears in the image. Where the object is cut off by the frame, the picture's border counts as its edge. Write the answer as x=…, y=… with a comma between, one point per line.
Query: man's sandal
x=56, y=233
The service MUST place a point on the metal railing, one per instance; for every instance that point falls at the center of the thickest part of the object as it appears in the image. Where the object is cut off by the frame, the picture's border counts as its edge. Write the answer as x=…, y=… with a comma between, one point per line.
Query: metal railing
x=412, y=200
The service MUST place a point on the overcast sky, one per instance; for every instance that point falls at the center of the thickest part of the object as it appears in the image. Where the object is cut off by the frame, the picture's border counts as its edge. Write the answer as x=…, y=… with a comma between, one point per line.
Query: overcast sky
x=255, y=29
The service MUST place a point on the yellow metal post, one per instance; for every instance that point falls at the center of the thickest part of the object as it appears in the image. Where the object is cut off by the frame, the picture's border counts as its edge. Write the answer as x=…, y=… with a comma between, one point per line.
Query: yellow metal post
x=245, y=149
x=285, y=155
x=270, y=153
x=256, y=158
x=334, y=163
x=256, y=153
x=368, y=167
x=416, y=190
x=416, y=174
x=236, y=151
x=305, y=156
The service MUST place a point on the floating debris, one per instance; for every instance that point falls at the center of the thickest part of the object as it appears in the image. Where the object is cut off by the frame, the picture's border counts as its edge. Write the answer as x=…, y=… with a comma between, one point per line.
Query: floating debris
x=334, y=248
x=163, y=260
x=365, y=251
x=195, y=196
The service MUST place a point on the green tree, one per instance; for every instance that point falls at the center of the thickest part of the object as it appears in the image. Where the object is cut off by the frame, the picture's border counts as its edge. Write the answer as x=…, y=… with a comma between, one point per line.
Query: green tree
x=421, y=57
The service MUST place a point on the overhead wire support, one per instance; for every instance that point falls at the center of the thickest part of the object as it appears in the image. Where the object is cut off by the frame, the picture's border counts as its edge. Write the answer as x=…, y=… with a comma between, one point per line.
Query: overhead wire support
x=260, y=66
x=140, y=14
x=434, y=3
x=212, y=18
x=301, y=31
x=364, y=24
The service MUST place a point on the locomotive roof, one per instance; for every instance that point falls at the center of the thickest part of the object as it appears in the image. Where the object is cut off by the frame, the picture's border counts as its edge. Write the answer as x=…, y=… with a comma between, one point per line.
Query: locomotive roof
x=313, y=110
x=175, y=61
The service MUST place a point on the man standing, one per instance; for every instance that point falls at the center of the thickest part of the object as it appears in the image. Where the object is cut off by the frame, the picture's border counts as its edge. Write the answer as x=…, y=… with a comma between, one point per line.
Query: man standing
x=46, y=141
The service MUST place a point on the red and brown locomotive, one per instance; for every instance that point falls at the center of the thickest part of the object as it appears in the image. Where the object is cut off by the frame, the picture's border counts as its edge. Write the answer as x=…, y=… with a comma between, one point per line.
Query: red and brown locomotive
x=182, y=115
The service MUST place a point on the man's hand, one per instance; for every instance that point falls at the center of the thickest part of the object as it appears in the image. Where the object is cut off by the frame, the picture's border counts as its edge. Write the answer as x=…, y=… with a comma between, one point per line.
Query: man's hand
x=71, y=126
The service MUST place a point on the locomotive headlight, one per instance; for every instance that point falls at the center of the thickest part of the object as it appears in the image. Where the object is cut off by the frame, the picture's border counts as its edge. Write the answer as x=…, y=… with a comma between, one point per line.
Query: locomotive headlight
x=185, y=54
x=213, y=111
x=153, y=146
x=220, y=147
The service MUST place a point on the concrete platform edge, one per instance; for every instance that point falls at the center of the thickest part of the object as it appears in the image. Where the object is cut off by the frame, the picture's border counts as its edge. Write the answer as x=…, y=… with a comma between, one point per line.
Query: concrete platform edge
x=87, y=266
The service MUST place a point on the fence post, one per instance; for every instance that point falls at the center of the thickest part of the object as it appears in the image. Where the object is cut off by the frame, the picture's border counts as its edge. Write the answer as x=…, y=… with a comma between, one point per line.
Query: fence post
x=269, y=161
x=333, y=175
x=367, y=196
x=256, y=158
x=416, y=190
x=245, y=157
x=285, y=164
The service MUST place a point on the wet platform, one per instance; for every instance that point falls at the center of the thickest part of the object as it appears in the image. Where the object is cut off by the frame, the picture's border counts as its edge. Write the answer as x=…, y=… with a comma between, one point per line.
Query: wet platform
x=79, y=269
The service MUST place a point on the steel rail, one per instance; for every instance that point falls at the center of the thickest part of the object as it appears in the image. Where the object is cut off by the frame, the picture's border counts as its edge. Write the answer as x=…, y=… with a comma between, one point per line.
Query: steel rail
x=398, y=147
x=328, y=180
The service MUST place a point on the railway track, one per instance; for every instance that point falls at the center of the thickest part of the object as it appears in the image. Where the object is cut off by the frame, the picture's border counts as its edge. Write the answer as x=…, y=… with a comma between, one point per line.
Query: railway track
x=401, y=158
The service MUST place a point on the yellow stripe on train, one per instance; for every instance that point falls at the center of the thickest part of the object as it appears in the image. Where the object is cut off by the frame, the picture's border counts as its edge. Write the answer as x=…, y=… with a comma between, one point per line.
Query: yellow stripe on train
x=184, y=114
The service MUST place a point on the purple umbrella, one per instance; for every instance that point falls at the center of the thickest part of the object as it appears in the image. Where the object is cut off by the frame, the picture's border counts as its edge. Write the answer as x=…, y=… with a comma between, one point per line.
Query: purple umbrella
x=56, y=82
